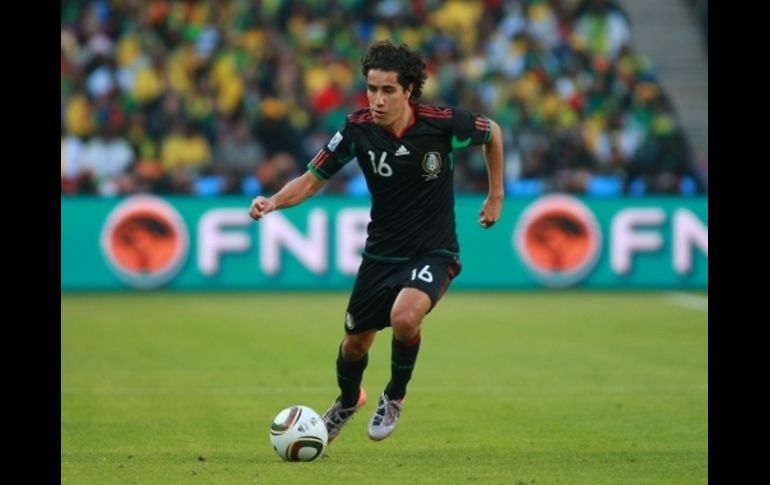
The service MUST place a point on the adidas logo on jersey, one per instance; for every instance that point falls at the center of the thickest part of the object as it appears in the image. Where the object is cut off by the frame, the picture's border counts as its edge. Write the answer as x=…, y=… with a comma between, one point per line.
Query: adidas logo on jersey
x=401, y=151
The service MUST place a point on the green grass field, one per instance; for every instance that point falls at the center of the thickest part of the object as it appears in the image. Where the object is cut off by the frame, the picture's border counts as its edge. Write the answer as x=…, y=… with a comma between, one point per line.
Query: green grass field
x=510, y=388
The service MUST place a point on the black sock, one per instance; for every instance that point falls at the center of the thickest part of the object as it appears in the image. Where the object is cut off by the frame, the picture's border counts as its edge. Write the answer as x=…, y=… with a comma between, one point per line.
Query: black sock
x=349, y=375
x=403, y=358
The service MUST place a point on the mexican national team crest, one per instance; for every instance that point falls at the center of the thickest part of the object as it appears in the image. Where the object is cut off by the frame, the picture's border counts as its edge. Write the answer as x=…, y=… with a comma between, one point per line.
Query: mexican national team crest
x=431, y=164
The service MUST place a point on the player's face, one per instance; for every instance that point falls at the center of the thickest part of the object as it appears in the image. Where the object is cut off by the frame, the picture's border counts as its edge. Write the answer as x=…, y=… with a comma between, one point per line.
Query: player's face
x=388, y=101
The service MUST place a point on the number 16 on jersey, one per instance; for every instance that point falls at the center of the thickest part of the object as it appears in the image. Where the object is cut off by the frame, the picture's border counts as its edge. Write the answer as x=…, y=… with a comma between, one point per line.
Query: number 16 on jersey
x=382, y=169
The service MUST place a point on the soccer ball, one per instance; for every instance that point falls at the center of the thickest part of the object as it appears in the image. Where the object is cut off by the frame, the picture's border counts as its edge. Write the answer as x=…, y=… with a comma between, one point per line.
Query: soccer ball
x=298, y=434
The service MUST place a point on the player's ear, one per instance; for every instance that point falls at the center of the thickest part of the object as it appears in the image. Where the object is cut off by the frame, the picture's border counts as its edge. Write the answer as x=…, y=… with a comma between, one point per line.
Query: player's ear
x=408, y=91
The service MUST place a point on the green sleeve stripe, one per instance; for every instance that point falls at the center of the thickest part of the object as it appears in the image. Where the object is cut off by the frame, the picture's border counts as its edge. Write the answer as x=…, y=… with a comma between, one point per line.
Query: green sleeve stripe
x=345, y=160
x=488, y=134
x=350, y=157
x=457, y=143
x=319, y=174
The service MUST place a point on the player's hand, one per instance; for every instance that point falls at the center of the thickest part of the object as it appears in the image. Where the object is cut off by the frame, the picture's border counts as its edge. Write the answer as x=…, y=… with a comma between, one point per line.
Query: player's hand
x=490, y=211
x=260, y=206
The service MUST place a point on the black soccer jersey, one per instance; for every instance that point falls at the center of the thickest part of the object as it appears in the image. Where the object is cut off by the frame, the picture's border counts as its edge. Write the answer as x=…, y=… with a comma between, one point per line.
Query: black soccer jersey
x=410, y=178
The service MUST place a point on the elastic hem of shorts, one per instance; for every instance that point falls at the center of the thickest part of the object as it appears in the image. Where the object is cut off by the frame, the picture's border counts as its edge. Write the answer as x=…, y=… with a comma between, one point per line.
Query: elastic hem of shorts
x=403, y=259
x=385, y=259
x=444, y=252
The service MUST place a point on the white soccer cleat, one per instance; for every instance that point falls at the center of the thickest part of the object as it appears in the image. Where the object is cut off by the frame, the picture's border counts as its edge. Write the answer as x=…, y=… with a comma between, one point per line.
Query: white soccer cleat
x=336, y=416
x=385, y=417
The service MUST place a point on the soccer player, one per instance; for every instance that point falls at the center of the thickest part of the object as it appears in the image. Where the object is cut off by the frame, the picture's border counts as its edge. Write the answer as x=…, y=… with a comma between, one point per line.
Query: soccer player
x=411, y=255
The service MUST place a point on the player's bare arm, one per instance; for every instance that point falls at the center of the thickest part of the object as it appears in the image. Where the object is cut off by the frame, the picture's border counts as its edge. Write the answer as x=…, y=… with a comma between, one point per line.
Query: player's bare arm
x=493, y=157
x=293, y=193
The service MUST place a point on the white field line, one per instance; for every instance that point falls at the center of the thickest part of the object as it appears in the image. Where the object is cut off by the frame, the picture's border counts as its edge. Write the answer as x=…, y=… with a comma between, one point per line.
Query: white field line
x=688, y=300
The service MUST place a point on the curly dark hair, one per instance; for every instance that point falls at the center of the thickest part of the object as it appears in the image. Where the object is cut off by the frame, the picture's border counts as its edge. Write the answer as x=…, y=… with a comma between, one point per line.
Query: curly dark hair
x=408, y=64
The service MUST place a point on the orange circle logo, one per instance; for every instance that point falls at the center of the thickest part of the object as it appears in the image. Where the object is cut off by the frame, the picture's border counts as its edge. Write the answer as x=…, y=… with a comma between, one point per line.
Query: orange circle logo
x=559, y=240
x=145, y=241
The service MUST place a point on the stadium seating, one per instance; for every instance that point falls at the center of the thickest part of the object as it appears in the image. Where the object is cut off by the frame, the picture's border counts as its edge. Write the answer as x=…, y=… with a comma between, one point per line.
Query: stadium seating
x=289, y=71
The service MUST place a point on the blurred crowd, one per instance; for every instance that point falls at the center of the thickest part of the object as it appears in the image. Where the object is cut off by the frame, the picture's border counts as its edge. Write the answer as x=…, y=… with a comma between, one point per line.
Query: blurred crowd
x=701, y=10
x=236, y=96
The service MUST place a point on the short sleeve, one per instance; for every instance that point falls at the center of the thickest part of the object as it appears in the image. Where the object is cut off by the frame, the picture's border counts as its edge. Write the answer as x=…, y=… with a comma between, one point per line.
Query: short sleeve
x=470, y=129
x=334, y=155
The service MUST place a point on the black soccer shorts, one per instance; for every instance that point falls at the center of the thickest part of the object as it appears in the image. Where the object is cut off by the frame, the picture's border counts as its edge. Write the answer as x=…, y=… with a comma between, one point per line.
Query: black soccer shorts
x=378, y=284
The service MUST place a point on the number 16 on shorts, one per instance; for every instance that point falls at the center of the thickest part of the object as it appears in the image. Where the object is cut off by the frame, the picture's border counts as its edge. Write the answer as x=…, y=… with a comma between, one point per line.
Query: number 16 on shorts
x=424, y=274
